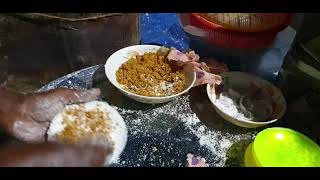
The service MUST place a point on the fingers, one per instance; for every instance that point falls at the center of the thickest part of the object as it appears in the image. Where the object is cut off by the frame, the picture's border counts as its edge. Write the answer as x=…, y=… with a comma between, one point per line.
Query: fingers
x=26, y=117
x=93, y=156
x=44, y=106
x=3, y=87
x=97, y=140
x=83, y=95
x=29, y=130
x=52, y=155
x=75, y=156
x=66, y=96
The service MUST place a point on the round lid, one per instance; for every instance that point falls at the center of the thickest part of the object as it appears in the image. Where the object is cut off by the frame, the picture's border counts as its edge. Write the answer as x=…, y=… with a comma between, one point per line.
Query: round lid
x=283, y=147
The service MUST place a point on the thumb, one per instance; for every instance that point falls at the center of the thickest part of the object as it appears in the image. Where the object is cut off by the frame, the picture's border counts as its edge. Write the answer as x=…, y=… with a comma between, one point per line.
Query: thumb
x=3, y=87
x=44, y=106
x=52, y=155
x=75, y=95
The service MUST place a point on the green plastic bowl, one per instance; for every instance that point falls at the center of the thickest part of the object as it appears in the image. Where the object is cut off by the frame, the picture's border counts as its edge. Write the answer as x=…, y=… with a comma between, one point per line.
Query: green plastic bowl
x=282, y=147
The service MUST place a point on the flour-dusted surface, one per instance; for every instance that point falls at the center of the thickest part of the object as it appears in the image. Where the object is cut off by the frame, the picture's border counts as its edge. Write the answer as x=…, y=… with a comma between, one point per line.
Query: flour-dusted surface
x=164, y=134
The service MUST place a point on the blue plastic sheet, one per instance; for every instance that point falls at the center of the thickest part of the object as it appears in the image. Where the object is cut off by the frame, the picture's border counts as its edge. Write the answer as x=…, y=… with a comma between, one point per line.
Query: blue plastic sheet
x=163, y=29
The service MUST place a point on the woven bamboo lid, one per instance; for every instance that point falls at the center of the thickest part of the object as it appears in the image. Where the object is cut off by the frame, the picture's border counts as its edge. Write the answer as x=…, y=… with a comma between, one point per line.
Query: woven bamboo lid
x=247, y=22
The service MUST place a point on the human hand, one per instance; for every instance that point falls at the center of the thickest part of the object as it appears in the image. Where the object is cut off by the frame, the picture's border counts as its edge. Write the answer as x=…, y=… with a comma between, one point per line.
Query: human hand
x=52, y=155
x=27, y=116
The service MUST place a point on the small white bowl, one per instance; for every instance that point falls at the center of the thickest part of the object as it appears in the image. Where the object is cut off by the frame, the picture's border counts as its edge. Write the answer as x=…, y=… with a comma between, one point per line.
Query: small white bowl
x=118, y=58
x=240, y=79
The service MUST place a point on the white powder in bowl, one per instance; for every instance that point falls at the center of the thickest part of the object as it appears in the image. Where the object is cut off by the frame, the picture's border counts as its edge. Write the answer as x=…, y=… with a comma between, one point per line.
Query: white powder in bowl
x=230, y=105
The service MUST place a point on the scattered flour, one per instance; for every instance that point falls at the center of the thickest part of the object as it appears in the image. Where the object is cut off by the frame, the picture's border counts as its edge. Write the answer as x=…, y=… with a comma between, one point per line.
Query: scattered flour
x=149, y=122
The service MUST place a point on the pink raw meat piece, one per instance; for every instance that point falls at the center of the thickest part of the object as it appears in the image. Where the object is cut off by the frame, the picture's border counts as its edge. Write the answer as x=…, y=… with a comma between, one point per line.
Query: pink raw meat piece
x=206, y=74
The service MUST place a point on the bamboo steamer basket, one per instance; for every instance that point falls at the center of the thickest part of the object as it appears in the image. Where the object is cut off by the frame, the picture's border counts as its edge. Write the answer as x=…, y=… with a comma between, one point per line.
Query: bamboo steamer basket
x=243, y=31
x=247, y=22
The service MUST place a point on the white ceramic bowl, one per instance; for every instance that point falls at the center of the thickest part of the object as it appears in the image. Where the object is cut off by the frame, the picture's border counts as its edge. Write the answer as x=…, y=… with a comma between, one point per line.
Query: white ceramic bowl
x=118, y=58
x=240, y=79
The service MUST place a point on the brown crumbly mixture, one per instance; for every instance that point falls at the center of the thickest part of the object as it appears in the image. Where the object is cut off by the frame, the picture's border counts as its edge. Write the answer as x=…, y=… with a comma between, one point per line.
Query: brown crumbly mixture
x=85, y=125
x=150, y=74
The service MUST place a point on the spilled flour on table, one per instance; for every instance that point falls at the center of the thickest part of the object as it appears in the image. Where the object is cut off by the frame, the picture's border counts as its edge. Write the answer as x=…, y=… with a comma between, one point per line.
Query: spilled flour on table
x=158, y=123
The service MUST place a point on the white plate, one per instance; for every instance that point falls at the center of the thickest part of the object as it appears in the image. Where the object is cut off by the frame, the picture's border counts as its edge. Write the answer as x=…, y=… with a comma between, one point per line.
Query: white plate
x=118, y=134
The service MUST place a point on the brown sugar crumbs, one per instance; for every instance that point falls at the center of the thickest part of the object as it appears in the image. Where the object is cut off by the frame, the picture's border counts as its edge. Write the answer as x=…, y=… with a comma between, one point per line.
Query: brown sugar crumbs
x=81, y=124
x=150, y=74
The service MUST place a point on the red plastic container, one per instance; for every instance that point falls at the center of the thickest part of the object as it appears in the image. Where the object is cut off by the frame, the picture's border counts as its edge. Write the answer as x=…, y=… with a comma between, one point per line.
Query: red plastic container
x=220, y=36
